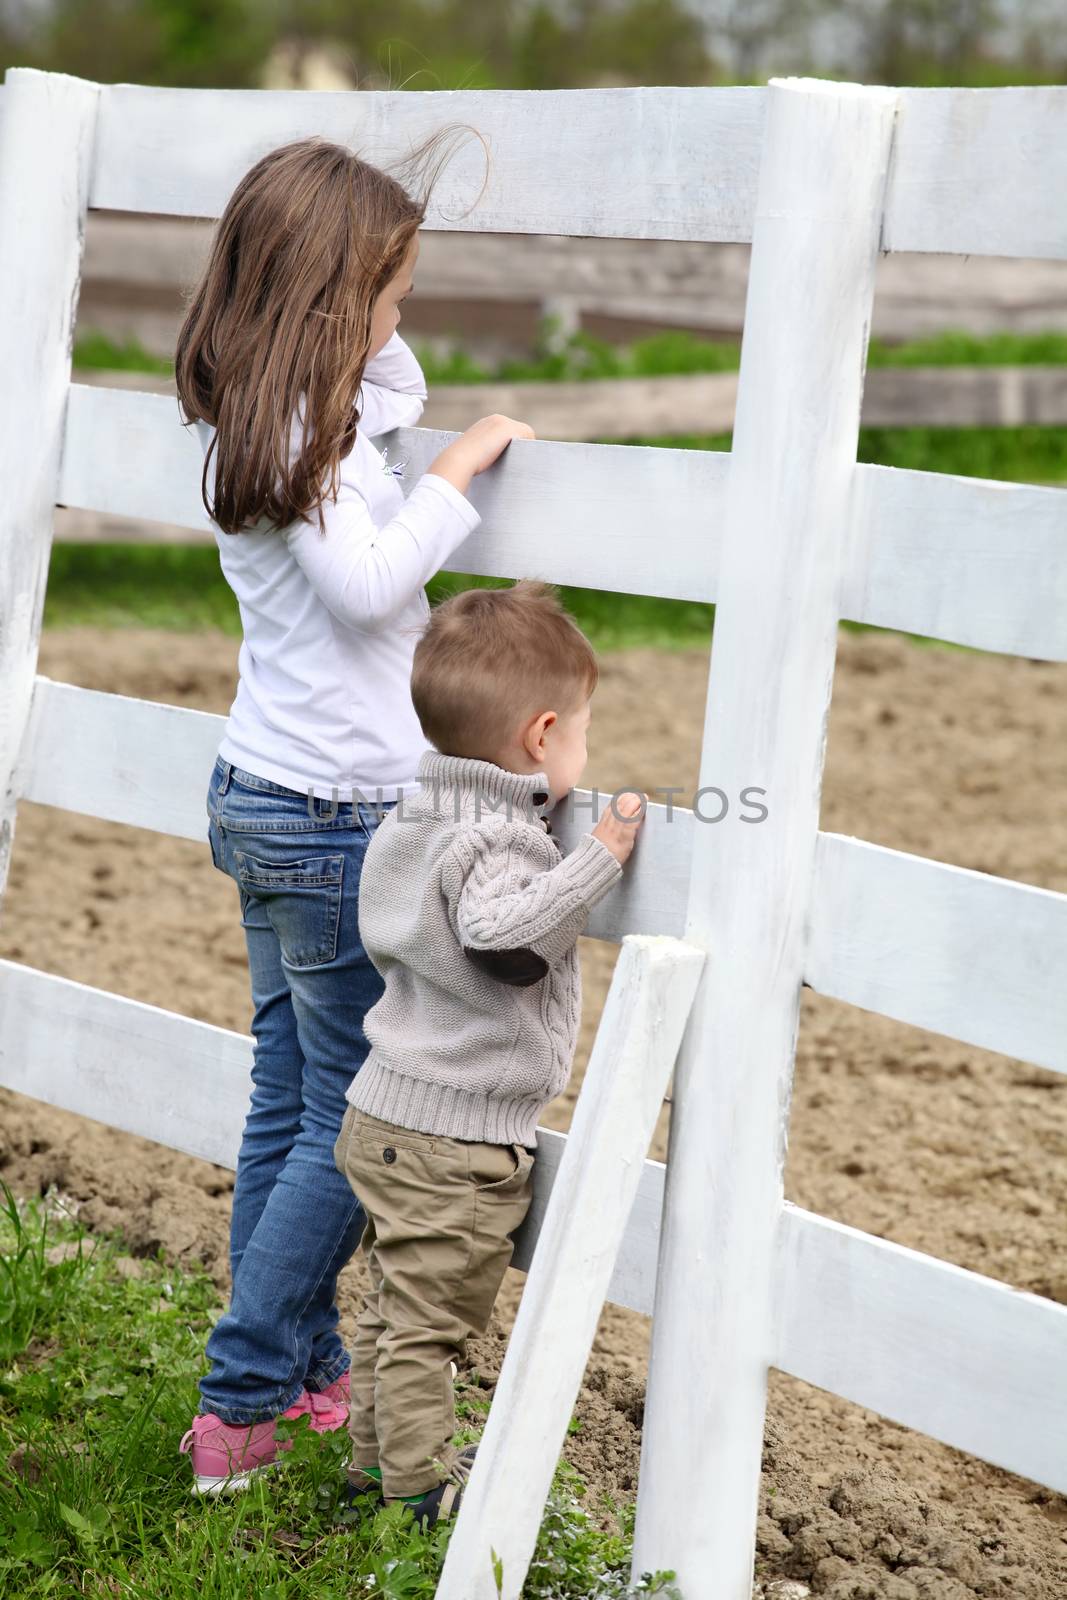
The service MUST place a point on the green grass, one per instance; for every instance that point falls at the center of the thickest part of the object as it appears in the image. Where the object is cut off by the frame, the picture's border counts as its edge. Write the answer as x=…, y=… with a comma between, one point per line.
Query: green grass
x=98, y=1370
x=657, y=355
x=181, y=588
x=98, y=350
x=1014, y=455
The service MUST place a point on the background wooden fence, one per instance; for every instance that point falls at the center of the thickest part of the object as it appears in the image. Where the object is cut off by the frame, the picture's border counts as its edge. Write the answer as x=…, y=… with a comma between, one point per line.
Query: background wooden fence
x=490, y=287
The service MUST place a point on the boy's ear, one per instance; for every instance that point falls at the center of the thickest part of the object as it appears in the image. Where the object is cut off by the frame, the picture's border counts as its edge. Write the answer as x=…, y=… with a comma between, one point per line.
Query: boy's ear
x=519, y=967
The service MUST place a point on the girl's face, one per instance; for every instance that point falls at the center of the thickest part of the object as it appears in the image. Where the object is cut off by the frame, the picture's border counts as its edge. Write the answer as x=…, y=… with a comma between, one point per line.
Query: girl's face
x=385, y=317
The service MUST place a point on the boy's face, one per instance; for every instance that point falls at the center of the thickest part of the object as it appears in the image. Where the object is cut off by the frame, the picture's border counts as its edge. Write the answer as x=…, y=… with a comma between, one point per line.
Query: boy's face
x=560, y=748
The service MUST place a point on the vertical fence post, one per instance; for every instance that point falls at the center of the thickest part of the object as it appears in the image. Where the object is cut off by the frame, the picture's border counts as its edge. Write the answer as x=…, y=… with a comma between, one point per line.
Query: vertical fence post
x=811, y=285
x=46, y=148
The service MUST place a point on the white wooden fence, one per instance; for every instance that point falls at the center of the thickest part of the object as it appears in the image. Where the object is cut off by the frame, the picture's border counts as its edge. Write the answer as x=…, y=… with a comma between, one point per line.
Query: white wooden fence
x=786, y=535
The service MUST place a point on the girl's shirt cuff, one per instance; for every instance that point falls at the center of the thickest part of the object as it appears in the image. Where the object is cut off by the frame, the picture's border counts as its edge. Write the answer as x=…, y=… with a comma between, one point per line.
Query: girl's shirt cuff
x=470, y=514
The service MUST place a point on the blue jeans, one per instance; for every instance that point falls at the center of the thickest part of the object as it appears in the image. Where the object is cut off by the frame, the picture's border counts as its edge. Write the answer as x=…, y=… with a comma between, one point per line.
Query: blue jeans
x=295, y=1220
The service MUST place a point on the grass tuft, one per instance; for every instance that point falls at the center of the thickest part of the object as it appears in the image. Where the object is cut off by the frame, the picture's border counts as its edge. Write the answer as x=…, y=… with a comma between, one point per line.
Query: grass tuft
x=99, y=1358
x=672, y=350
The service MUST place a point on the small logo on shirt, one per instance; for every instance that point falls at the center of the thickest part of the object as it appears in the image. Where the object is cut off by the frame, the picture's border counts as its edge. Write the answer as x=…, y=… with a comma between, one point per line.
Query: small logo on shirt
x=395, y=470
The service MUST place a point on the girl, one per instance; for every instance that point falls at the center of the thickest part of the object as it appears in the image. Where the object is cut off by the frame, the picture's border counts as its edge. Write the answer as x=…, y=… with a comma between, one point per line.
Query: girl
x=289, y=363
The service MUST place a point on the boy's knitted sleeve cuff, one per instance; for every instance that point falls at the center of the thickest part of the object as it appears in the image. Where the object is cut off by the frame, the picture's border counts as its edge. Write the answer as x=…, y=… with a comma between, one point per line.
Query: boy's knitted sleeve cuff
x=502, y=899
x=584, y=877
x=592, y=868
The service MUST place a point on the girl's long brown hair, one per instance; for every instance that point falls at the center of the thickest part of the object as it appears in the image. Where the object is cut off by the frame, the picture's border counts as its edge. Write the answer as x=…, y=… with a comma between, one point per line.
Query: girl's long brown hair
x=308, y=240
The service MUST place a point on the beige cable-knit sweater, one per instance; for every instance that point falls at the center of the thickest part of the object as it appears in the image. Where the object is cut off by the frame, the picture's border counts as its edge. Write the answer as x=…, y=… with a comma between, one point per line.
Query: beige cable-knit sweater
x=472, y=918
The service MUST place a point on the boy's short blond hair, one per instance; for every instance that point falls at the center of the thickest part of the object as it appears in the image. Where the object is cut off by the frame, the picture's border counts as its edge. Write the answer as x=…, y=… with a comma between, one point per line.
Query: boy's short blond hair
x=489, y=658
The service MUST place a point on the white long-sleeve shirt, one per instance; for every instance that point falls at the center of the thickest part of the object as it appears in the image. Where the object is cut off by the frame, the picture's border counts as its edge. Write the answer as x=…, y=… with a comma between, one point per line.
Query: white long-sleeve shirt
x=330, y=621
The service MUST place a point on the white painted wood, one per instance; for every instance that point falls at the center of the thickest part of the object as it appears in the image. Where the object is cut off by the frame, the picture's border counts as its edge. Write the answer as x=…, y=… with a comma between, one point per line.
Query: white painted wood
x=549, y=512
x=163, y=457
x=125, y=760
x=652, y=988
x=133, y=1066
x=624, y=162
x=969, y=560
x=919, y=940
x=633, y=1278
x=975, y=171
x=785, y=523
x=961, y=1357
x=891, y=1329
x=979, y=172
x=45, y=164
x=962, y=953
x=185, y=1084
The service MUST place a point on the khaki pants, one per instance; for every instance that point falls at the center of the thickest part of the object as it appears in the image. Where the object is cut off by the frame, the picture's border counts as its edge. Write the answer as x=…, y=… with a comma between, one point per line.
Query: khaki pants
x=440, y=1215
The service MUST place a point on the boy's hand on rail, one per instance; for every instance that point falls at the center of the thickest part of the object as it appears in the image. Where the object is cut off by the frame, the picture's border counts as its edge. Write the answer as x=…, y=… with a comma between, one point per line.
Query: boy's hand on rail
x=619, y=836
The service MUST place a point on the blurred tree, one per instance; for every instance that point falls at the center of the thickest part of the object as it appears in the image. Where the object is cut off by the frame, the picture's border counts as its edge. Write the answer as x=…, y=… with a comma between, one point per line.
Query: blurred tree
x=412, y=44
x=642, y=41
x=747, y=31
x=1038, y=35
x=540, y=44
x=542, y=57
x=522, y=44
x=923, y=41
x=192, y=43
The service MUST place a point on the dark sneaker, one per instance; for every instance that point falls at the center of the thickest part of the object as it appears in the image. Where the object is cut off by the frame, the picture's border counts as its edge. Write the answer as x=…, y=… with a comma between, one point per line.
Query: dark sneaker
x=442, y=1503
x=360, y=1497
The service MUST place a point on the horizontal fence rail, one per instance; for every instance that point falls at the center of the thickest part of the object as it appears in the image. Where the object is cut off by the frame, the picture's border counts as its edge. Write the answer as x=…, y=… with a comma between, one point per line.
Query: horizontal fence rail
x=625, y=162
x=903, y=1333
x=126, y=453
x=974, y=171
x=917, y=940
x=962, y=1357
x=962, y=953
x=969, y=560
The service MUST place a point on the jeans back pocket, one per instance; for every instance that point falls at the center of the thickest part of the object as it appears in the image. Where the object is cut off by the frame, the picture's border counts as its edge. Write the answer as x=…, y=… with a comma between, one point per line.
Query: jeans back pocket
x=302, y=900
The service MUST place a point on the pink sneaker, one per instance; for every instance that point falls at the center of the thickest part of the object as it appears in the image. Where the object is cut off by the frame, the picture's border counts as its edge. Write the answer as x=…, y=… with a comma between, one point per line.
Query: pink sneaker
x=226, y=1454
x=329, y=1406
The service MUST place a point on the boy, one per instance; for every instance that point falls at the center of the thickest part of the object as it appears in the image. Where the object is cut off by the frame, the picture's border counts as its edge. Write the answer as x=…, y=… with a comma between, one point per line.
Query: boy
x=471, y=915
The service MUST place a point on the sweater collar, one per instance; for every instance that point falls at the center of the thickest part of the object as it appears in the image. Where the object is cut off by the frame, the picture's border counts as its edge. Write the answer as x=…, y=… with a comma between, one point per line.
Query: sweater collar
x=483, y=783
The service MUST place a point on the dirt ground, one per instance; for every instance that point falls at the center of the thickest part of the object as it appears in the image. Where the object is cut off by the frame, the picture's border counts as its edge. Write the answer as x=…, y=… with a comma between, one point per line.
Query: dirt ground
x=950, y=1150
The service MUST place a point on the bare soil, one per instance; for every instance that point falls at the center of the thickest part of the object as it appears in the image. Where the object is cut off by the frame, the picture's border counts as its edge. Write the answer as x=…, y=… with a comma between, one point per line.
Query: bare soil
x=948, y=1149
